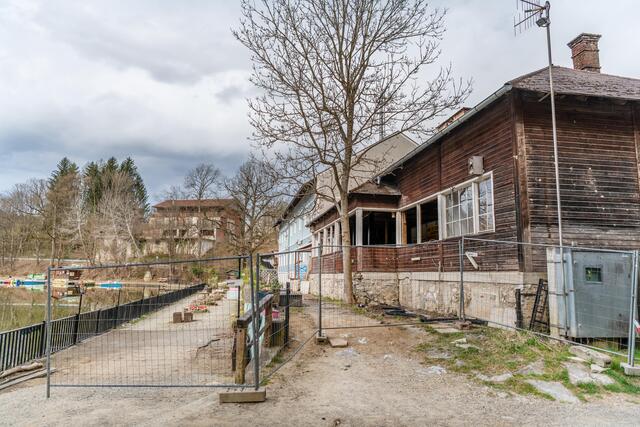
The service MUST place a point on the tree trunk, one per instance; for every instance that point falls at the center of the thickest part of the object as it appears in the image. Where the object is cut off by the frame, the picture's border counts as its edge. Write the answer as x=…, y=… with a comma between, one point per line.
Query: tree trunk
x=346, y=256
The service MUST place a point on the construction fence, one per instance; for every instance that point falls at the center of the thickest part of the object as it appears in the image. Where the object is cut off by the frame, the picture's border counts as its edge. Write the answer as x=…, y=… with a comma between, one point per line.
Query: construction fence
x=587, y=296
x=235, y=321
x=194, y=326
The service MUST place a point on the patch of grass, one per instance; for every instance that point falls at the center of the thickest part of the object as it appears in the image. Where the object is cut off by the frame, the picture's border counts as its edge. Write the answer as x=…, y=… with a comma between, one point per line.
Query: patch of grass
x=623, y=384
x=518, y=386
x=499, y=351
x=275, y=361
x=589, y=388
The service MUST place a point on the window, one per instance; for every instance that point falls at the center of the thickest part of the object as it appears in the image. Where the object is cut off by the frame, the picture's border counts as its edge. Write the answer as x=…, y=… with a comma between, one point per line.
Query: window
x=459, y=206
x=469, y=209
x=485, y=205
x=593, y=274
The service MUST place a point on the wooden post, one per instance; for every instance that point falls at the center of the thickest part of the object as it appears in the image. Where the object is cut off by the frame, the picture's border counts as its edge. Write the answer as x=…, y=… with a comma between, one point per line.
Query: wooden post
x=241, y=354
x=268, y=319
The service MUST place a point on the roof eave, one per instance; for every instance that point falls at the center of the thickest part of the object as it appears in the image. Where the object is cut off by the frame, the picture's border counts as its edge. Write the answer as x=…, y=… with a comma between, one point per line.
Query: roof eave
x=468, y=115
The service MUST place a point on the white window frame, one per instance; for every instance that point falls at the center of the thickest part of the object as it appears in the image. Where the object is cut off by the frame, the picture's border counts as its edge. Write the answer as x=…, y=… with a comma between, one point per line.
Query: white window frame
x=476, y=206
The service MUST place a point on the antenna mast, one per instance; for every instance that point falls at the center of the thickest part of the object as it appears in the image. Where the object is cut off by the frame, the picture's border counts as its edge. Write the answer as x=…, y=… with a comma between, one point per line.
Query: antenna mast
x=532, y=11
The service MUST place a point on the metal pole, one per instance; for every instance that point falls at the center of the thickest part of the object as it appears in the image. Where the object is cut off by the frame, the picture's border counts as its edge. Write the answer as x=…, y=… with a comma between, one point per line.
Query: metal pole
x=553, y=127
x=48, y=332
x=633, y=311
x=77, y=323
x=461, y=250
x=556, y=162
x=254, y=322
x=286, y=314
x=240, y=287
x=320, y=291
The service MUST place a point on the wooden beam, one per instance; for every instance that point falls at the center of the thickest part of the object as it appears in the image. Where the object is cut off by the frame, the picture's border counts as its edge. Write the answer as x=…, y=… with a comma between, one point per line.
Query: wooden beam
x=241, y=354
x=636, y=135
x=525, y=262
x=243, y=396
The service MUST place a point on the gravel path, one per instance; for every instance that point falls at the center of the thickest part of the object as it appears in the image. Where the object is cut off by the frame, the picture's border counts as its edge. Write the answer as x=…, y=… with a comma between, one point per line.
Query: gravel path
x=155, y=351
x=379, y=380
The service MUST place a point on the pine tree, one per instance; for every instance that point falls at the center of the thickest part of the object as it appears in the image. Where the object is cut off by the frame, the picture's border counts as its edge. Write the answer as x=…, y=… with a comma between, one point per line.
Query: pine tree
x=93, y=179
x=129, y=167
x=64, y=168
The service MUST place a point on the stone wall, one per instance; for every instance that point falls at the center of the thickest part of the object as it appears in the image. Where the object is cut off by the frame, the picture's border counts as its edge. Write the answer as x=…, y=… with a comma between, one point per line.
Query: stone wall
x=488, y=296
x=368, y=288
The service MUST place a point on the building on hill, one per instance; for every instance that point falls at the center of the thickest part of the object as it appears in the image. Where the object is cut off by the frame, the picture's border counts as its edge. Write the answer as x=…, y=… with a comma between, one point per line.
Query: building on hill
x=489, y=174
x=191, y=227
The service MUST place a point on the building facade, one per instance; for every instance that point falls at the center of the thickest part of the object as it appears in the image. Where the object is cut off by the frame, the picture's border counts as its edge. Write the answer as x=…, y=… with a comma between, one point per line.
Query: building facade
x=190, y=227
x=294, y=233
x=489, y=175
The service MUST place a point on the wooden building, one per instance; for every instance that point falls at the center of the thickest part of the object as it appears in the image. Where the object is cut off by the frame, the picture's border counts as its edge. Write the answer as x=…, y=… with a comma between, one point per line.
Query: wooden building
x=489, y=174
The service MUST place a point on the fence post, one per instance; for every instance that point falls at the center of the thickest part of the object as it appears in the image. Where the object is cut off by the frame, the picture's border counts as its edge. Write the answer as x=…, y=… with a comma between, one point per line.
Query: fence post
x=241, y=353
x=320, y=335
x=461, y=314
x=286, y=314
x=43, y=339
x=77, y=323
x=98, y=321
x=48, y=331
x=254, y=319
x=633, y=311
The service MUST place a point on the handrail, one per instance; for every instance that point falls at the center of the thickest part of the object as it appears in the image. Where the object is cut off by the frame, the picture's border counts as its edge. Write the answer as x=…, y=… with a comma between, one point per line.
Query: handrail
x=245, y=319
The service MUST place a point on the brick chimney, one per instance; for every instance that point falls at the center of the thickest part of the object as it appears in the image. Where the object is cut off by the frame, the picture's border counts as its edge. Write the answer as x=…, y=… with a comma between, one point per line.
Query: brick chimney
x=585, y=53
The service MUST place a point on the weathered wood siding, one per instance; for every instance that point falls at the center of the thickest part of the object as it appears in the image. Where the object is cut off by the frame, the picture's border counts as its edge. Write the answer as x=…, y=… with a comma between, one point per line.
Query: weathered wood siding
x=598, y=152
x=443, y=165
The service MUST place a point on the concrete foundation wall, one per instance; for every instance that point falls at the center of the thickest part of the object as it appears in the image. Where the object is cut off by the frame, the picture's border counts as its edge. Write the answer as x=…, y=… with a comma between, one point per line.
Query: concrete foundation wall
x=489, y=296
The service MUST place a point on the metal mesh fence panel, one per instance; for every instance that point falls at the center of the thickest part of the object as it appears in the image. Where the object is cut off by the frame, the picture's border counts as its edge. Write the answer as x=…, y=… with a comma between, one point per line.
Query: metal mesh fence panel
x=290, y=322
x=149, y=324
x=586, y=296
x=390, y=285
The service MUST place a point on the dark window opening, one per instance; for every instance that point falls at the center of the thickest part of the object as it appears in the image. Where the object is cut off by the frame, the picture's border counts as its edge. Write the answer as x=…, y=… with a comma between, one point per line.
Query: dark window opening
x=593, y=274
x=352, y=229
x=411, y=225
x=429, y=221
x=378, y=228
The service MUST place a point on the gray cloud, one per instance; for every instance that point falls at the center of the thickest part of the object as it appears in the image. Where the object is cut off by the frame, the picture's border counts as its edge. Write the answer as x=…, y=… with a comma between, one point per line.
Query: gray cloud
x=164, y=82
x=175, y=43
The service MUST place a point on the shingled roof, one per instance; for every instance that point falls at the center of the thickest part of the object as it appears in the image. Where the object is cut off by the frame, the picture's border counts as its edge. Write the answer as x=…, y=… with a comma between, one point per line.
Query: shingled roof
x=371, y=188
x=204, y=203
x=578, y=82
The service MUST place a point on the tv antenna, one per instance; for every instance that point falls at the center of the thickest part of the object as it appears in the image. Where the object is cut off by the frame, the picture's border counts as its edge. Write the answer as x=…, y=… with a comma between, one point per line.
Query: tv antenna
x=530, y=12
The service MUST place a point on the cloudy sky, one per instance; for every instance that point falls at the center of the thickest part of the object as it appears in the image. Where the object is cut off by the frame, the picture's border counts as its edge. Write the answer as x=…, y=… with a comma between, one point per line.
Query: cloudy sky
x=166, y=83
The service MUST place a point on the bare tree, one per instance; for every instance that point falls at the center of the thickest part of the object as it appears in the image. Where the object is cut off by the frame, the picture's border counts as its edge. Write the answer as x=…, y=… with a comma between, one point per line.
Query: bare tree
x=332, y=73
x=202, y=182
x=258, y=199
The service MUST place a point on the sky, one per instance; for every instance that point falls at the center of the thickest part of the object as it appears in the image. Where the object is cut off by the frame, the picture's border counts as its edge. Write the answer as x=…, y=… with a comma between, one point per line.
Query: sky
x=166, y=83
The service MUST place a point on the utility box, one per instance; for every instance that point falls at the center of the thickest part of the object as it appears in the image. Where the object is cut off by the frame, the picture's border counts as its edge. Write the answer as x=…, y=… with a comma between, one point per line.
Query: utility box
x=593, y=299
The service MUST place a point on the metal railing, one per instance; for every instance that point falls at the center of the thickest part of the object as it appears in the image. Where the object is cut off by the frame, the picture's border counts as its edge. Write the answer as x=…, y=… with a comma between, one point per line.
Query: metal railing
x=22, y=345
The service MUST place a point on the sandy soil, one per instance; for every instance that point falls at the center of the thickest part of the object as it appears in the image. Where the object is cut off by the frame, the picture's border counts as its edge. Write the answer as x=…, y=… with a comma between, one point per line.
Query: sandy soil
x=378, y=380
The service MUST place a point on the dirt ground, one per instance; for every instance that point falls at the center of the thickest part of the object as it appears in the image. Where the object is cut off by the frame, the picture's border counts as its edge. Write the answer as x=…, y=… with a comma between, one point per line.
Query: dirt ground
x=379, y=380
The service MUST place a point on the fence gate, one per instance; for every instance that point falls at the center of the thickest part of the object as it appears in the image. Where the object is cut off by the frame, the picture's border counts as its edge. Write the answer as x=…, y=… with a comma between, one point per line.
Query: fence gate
x=161, y=324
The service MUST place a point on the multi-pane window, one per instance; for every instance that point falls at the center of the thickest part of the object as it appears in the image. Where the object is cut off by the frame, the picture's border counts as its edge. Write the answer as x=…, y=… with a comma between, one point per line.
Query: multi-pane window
x=469, y=209
x=485, y=205
x=459, y=208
